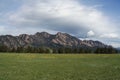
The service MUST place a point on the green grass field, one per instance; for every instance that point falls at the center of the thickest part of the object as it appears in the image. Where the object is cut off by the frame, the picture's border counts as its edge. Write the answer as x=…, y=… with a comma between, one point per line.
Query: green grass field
x=59, y=67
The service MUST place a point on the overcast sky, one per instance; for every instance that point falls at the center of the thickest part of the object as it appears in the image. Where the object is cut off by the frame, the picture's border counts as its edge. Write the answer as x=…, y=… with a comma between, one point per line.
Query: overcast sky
x=85, y=19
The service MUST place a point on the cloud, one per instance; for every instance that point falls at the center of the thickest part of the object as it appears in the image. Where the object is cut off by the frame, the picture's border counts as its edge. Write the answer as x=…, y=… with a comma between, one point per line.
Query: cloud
x=2, y=28
x=61, y=15
x=90, y=34
x=111, y=35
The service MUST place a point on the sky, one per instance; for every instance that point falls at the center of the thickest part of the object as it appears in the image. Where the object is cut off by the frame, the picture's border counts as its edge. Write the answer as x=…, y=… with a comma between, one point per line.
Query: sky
x=85, y=19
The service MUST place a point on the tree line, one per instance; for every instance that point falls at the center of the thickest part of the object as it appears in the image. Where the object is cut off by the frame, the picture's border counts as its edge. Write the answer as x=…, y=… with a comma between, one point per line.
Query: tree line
x=61, y=50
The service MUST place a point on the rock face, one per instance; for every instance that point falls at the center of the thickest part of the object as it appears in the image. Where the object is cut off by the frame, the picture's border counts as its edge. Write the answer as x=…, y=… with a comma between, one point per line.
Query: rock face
x=47, y=40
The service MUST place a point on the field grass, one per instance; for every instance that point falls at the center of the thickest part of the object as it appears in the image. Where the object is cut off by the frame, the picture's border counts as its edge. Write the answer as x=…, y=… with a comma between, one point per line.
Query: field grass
x=59, y=67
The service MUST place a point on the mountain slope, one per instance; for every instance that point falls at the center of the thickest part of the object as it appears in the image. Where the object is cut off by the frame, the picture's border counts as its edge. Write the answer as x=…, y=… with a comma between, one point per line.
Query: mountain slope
x=48, y=40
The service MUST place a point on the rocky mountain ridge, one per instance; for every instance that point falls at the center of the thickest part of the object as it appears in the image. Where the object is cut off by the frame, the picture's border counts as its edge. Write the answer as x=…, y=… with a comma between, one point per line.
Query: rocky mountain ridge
x=48, y=40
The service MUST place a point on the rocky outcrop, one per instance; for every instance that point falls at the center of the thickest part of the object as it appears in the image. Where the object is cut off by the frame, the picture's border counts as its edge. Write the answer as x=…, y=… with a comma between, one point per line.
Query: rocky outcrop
x=47, y=40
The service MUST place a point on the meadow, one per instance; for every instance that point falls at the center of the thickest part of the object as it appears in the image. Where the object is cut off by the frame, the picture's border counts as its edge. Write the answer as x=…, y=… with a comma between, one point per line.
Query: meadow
x=59, y=66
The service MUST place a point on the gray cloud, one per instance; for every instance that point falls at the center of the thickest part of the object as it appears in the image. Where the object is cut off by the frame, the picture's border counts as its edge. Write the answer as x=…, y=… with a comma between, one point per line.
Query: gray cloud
x=62, y=15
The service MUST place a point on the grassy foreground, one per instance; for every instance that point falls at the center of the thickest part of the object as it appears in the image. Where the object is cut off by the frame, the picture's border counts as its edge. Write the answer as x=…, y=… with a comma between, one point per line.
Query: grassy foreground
x=59, y=67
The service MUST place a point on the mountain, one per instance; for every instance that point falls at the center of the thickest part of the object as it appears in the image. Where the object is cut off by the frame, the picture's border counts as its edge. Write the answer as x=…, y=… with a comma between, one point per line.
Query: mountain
x=45, y=39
